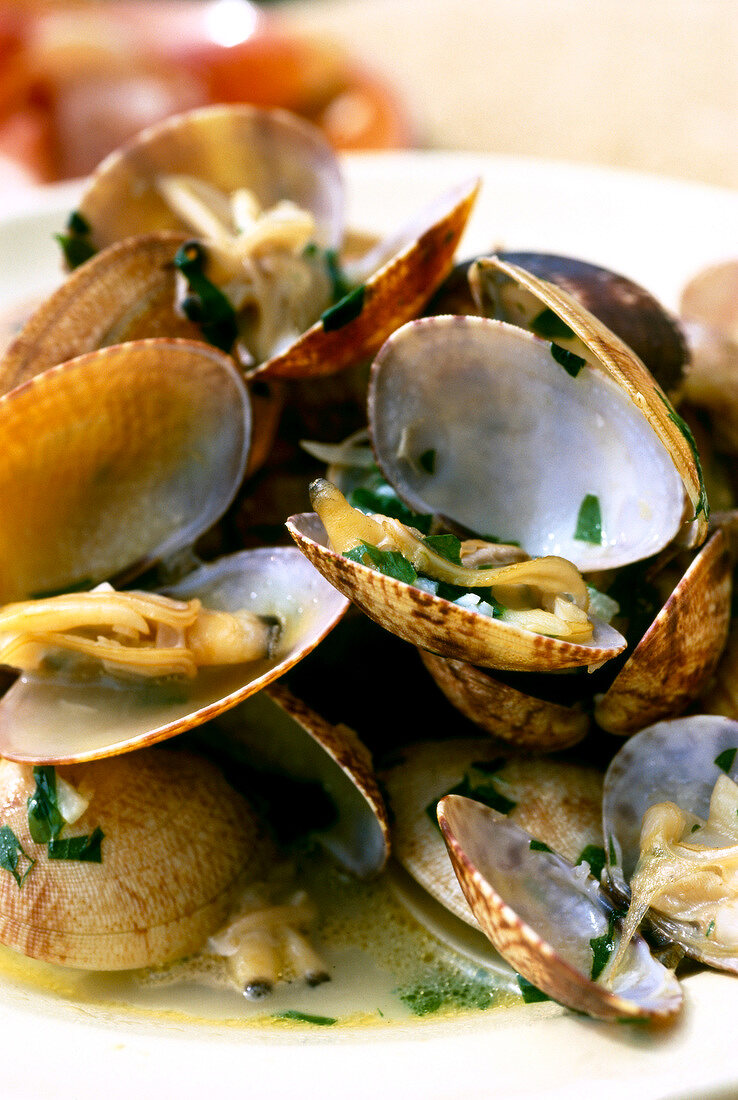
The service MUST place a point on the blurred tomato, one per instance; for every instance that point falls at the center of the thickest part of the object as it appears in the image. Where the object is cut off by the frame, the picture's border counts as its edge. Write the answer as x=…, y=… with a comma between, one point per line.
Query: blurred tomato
x=78, y=79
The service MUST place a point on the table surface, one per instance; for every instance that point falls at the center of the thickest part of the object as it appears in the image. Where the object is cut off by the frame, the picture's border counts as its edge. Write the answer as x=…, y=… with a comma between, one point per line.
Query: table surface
x=650, y=85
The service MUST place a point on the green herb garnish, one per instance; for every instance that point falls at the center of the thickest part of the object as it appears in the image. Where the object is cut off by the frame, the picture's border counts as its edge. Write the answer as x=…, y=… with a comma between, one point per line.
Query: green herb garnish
x=539, y=846
x=12, y=853
x=45, y=822
x=83, y=849
x=710, y=929
x=389, y=562
x=531, y=993
x=684, y=428
x=379, y=496
x=447, y=546
x=571, y=362
x=589, y=521
x=306, y=1018
x=486, y=793
x=75, y=243
x=340, y=286
x=725, y=760
x=344, y=311
x=596, y=859
x=602, y=947
x=697, y=826
x=550, y=326
x=206, y=305
x=613, y=854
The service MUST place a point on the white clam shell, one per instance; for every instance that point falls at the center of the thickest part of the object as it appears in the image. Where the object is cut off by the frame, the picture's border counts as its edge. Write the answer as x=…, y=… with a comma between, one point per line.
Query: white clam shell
x=518, y=443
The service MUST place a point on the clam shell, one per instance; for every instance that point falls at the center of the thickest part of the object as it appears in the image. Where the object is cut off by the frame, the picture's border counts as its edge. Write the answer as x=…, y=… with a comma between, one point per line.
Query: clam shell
x=440, y=626
x=557, y=802
x=613, y=356
x=397, y=286
x=269, y=152
x=278, y=731
x=178, y=841
x=116, y=459
x=504, y=712
x=46, y=720
x=679, y=652
x=673, y=761
x=711, y=297
x=542, y=918
x=627, y=309
x=503, y=468
x=125, y=293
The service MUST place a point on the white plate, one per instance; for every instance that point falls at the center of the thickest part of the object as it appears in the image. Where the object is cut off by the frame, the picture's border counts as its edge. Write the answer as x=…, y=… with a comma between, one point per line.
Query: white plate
x=658, y=232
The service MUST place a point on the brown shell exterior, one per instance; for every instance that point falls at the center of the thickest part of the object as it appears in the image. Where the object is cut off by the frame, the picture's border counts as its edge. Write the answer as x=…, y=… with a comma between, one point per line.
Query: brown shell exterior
x=436, y=624
x=557, y=802
x=680, y=651
x=125, y=293
x=520, y=945
x=503, y=711
x=393, y=295
x=178, y=841
x=625, y=368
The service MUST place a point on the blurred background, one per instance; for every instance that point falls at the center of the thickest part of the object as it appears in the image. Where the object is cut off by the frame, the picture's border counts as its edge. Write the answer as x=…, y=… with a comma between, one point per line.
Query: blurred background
x=650, y=85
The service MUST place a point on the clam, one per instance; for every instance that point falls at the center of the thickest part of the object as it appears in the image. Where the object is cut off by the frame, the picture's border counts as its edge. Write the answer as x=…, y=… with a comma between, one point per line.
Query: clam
x=163, y=844
x=625, y=308
x=435, y=623
x=558, y=802
x=549, y=920
x=276, y=732
x=632, y=455
x=267, y=223
x=669, y=814
x=113, y=461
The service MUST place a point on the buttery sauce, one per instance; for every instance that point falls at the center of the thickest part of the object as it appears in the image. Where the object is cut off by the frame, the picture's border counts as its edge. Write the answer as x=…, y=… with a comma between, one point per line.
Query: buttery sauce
x=384, y=966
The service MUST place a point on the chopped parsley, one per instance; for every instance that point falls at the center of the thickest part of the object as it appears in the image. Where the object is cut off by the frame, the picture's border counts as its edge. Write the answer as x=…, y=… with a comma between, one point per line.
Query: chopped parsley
x=589, y=521
x=12, y=853
x=612, y=853
x=340, y=286
x=684, y=428
x=447, y=546
x=206, y=305
x=569, y=360
x=596, y=859
x=710, y=929
x=539, y=846
x=377, y=495
x=82, y=849
x=344, y=311
x=45, y=821
x=550, y=326
x=391, y=563
x=479, y=790
x=306, y=1018
x=531, y=993
x=697, y=826
x=75, y=243
x=602, y=947
x=725, y=760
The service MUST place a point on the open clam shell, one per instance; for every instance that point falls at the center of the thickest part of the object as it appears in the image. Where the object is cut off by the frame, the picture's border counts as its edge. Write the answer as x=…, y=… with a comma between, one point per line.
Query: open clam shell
x=589, y=337
x=52, y=720
x=678, y=761
x=117, y=459
x=501, y=466
x=559, y=803
x=503, y=711
x=177, y=844
x=679, y=652
x=269, y=152
x=548, y=921
x=627, y=309
x=396, y=280
x=275, y=730
x=440, y=626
